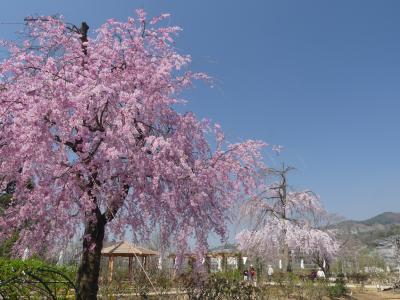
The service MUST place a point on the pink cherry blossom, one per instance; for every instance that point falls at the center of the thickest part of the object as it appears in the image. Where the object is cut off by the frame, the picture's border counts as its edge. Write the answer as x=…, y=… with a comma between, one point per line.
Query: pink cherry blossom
x=285, y=220
x=90, y=121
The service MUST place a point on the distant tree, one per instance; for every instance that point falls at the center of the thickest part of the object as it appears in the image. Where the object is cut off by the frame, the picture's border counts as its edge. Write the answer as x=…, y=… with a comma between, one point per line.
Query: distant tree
x=285, y=220
x=92, y=123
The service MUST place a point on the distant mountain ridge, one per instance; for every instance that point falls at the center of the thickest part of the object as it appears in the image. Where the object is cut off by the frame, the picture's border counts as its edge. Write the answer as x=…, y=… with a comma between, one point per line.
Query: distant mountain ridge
x=382, y=221
x=386, y=218
x=377, y=233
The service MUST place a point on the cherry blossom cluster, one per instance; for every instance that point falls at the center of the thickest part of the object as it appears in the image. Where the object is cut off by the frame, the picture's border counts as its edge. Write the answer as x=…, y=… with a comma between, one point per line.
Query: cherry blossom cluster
x=268, y=241
x=290, y=221
x=90, y=123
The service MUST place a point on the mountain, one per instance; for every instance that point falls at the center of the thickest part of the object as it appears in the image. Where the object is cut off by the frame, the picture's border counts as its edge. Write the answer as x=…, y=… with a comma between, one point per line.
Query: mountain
x=377, y=234
x=382, y=222
x=386, y=218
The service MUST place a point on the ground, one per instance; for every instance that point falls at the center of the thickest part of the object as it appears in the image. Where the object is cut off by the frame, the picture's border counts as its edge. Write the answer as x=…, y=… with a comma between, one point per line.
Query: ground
x=374, y=295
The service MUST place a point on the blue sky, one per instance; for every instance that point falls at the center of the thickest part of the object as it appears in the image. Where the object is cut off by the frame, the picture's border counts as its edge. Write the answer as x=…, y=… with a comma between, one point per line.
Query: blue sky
x=321, y=78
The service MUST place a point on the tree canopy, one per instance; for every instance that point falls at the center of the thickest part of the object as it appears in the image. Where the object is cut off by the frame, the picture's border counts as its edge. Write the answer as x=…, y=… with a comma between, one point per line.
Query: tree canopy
x=91, y=122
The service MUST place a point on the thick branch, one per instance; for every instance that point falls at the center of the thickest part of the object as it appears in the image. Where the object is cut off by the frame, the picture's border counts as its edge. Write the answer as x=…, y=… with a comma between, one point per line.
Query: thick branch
x=112, y=210
x=84, y=36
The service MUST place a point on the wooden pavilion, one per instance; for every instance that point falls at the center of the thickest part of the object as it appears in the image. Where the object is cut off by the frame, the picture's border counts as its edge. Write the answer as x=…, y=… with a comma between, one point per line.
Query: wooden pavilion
x=226, y=255
x=125, y=249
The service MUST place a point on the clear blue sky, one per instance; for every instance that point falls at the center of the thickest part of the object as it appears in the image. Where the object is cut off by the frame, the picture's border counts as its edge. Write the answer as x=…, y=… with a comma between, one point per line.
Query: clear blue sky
x=321, y=78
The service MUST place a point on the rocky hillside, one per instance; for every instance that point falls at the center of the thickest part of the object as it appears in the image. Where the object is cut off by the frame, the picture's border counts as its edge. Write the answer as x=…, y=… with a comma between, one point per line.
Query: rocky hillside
x=383, y=221
x=377, y=234
x=386, y=218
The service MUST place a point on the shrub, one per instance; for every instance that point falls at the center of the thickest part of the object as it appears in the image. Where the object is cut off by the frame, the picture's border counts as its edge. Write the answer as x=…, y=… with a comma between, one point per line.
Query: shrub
x=22, y=279
x=358, y=277
x=218, y=286
x=339, y=289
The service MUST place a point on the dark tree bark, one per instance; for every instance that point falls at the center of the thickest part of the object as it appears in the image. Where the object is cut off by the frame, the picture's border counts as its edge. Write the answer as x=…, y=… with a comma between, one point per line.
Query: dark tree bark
x=88, y=273
x=89, y=269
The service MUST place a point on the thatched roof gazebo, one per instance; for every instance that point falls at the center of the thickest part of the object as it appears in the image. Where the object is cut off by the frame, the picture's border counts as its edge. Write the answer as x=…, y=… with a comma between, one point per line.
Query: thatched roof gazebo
x=125, y=249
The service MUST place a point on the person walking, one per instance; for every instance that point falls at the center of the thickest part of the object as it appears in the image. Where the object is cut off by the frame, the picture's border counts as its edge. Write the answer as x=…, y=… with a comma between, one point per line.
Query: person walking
x=253, y=275
x=246, y=275
x=270, y=272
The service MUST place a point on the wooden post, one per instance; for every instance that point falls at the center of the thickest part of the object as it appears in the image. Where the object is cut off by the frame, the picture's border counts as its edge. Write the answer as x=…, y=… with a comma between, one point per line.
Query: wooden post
x=191, y=262
x=110, y=268
x=173, y=262
x=208, y=263
x=130, y=268
x=224, y=263
x=173, y=266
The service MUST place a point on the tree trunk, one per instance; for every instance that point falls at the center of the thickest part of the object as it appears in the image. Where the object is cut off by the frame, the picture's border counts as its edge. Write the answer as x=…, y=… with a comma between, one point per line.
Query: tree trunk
x=88, y=273
x=289, y=267
x=285, y=258
x=286, y=261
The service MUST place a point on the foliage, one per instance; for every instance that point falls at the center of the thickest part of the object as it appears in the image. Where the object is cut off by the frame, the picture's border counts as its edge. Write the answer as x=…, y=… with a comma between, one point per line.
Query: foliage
x=288, y=282
x=100, y=132
x=91, y=136
x=10, y=267
x=339, y=289
x=285, y=220
x=372, y=237
x=161, y=283
x=354, y=259
x=225, y=286
x=231, y=275
x=240, y=265
x=20, y=279
x=7, y=245
x=4, y=202
x=218, y=286
x=368, y=258
x=358, y=277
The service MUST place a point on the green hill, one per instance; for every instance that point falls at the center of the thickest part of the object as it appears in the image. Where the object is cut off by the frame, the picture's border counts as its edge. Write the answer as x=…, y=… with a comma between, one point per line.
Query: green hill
x=386, y=218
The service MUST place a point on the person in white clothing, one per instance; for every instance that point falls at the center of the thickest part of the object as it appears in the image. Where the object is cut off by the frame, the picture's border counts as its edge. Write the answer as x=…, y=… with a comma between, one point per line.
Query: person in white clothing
x=320, y=274
x=270, y=271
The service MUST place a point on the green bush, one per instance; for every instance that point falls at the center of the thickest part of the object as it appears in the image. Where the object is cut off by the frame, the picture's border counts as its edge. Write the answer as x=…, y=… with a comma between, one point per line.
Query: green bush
x=20, y=279
x=139, y=283
x=358, y=277
x=339, y=289
x=218, y=286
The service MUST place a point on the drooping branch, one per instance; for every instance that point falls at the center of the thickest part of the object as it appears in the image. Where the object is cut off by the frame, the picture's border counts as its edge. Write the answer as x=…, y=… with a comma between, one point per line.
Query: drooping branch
x=111, y=101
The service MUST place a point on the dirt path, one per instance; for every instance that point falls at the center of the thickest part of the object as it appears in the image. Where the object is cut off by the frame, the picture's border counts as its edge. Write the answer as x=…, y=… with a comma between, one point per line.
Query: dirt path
x=372, y=295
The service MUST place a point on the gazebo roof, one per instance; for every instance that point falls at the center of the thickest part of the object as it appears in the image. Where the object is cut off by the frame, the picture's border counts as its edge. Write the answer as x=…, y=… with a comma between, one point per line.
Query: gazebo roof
x=127, y=249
